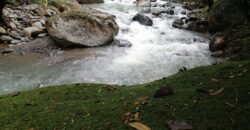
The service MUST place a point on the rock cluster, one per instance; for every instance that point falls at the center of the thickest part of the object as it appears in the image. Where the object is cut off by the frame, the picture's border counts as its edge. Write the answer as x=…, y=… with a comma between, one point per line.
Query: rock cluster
x=195, y=19
x=24, y=23
x=66, y=22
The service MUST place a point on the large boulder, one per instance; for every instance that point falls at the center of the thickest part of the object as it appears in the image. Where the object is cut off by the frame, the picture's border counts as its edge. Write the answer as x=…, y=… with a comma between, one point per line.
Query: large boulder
x=90, y=1
x=85, y=27
x=226, y=13
x=143, y=19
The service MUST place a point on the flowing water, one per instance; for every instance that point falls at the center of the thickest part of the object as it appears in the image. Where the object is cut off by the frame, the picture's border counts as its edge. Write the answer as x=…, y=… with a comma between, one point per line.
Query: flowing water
x=156, y=52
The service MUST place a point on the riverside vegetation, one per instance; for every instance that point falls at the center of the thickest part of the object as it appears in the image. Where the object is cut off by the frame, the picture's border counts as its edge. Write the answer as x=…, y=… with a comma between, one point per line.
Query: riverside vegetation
x=203, y=98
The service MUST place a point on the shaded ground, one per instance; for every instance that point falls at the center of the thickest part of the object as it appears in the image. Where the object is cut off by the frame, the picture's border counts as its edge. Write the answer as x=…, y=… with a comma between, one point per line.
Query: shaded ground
x=93, y=107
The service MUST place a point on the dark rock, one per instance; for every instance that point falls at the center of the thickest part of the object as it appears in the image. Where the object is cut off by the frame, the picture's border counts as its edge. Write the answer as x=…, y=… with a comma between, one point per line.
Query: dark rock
x=170, y=11
x=122, y=43
x=143, y=19
x=183, y=12
x=178, y=23
x=163, y=92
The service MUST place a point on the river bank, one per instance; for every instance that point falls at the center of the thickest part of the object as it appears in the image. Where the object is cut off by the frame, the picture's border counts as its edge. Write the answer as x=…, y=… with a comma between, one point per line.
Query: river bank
x=96, y=106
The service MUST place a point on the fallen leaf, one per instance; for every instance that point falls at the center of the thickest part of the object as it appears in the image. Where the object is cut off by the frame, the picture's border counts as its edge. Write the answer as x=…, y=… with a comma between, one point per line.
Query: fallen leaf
x=215, y=92
x=137, y=116
x=229, y=104
x=139, y=126
x=179, y=125
x=232, y=76
x=214, y=80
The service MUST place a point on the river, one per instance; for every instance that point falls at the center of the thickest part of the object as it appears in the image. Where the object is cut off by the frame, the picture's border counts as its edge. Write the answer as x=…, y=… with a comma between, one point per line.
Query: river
x=156, y=52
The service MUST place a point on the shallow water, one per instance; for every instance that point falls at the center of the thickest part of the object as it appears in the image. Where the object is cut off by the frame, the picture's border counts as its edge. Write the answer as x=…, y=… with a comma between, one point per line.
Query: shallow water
x=156, y=52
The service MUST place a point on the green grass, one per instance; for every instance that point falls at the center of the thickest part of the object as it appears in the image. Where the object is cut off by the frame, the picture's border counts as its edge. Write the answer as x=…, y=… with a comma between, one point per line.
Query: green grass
x=92, y=107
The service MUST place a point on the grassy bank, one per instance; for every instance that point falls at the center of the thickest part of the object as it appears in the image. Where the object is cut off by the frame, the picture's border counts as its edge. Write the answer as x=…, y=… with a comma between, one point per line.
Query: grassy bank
x=94, y=107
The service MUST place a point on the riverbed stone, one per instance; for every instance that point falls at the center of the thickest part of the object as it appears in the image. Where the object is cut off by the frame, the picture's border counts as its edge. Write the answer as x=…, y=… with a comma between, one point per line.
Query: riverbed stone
x=178, y=23
x=2, y=30
x=32, y=31
x=85, y=27
x=143, y=19
x=6, y=38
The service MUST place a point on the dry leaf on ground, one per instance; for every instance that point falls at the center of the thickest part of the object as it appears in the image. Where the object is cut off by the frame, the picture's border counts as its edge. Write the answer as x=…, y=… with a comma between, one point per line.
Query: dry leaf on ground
x=139, y=126
x=215, y=92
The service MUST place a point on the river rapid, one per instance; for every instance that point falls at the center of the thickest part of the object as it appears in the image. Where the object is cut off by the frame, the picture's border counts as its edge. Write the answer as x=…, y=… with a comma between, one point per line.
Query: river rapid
x=157, y=51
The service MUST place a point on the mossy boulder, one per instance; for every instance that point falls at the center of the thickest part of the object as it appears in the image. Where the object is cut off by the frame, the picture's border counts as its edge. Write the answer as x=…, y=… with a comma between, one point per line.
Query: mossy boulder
x=224, y=14
x=82, y=27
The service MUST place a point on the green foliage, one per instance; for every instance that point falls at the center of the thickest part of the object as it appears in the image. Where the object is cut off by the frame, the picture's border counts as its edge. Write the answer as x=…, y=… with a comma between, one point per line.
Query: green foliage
x=92, y=107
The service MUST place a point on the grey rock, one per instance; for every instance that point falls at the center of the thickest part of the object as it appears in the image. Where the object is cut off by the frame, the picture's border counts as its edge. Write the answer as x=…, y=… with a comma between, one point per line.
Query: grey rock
x=12, y=25
x=87, y=27
x=143, y=19
x=2, y=30
x=6, y=38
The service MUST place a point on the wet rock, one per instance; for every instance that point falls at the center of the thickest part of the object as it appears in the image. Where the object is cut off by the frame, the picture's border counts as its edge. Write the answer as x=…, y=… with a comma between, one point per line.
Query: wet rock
x=143, y=3
x=90, y=1
x=163, y=92
x=143, y=19
x=6, y=38
x=153, y=0
x=183, y=12
x=86, y=27
x=217, y=43
x=2, y=31
x=122, y=43
x=170, y=11
x=178, y=23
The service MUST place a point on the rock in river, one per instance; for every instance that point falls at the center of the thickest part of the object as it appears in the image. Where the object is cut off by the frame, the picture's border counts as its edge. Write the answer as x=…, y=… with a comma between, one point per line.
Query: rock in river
x=143, y=19
x=85, y=27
